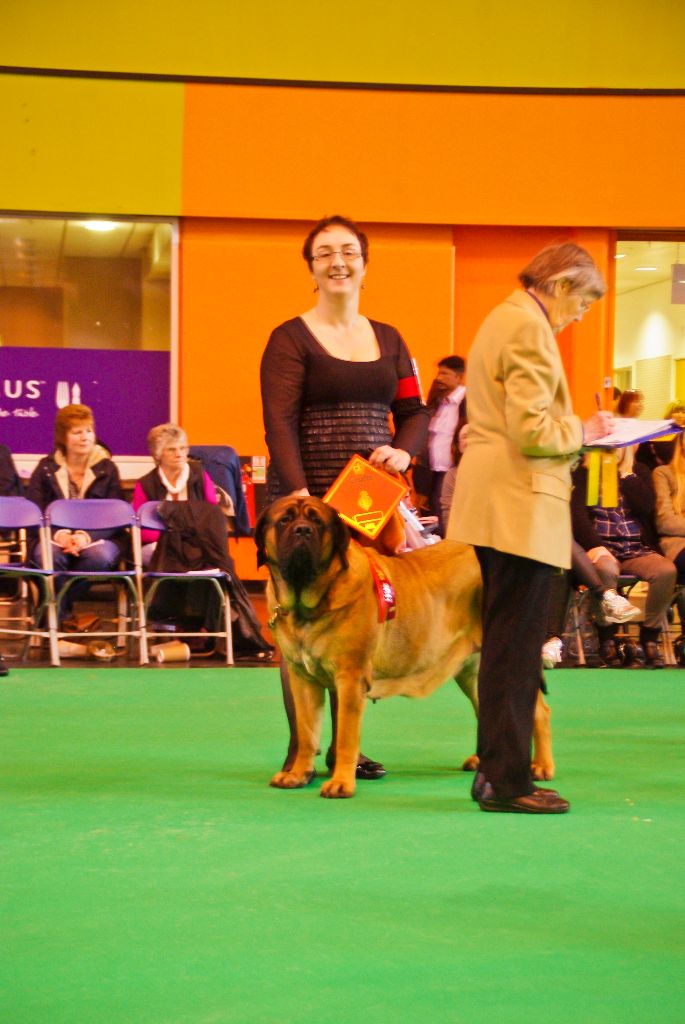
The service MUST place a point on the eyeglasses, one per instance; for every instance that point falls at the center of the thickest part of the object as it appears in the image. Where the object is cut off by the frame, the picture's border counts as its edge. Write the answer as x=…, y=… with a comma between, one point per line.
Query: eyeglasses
x=348, y=252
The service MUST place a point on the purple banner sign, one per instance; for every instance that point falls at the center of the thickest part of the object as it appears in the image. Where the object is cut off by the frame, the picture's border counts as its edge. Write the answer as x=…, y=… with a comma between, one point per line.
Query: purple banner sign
x=127, y=391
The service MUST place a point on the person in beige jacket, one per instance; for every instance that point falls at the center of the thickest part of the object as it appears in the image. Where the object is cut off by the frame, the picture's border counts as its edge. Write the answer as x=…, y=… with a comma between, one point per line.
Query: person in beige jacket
x=511, y=501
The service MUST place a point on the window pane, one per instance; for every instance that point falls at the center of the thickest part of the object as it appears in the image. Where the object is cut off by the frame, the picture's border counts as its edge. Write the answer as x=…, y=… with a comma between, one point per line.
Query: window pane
x=85, y=315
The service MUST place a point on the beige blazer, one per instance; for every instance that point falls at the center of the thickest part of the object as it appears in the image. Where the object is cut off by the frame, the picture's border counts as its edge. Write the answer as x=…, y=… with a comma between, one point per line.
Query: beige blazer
x=513, y=485
x=670, y=525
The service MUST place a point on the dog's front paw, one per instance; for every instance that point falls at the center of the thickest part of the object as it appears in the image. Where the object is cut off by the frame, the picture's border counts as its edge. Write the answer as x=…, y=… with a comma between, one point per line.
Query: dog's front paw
x=542, y=772
x=291, y=780
x=338, y=789
x=471, y=763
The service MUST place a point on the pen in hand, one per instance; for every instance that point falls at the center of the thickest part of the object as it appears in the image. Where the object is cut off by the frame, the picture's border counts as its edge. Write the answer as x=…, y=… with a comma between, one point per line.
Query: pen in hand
x=600, y=424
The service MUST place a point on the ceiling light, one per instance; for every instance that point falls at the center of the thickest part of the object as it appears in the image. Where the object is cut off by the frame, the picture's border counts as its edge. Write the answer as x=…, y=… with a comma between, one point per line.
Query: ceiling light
x=100, y=225
x=620, y=256
x=646, y=268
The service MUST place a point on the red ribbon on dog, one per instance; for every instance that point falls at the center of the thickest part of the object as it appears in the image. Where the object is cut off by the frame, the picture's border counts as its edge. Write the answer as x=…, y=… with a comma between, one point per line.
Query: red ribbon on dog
x=385, y=592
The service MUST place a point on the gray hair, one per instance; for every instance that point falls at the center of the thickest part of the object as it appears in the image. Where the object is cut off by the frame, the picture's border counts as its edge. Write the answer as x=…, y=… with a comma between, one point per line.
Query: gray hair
x=164, y=436
x=564, y=261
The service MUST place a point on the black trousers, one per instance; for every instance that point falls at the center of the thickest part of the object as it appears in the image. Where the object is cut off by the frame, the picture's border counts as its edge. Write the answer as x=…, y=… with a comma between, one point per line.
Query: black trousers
x=515, y=598
x=437, y=480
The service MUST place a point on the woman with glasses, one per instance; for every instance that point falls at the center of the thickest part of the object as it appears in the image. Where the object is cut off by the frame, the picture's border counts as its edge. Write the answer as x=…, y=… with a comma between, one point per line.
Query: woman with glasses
x=174, y=477
x=329, y=378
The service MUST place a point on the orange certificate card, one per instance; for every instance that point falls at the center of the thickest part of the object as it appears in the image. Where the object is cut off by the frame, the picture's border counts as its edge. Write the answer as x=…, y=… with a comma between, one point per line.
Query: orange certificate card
x=365, y=497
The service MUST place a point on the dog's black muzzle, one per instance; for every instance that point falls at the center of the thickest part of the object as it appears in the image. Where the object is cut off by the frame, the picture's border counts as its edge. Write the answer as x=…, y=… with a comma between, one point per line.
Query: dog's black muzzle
x=299, y=552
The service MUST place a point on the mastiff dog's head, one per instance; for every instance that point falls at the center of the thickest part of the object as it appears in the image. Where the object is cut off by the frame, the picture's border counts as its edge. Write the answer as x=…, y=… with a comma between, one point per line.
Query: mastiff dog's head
x=300, y=537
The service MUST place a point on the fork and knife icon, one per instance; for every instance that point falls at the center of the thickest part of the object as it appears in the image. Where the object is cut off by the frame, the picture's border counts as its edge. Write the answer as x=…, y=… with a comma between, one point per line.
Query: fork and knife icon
x=66, y=395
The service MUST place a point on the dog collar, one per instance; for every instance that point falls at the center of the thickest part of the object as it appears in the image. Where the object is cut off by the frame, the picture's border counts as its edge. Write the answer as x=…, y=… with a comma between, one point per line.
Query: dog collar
x=385, y=591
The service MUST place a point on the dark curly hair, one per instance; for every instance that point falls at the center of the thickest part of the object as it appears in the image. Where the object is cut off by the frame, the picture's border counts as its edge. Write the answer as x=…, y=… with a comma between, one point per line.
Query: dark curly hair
x=338, y=221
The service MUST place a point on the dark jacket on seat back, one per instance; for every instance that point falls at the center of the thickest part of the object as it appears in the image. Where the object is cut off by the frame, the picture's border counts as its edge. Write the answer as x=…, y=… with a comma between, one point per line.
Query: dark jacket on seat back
x=223, y=465
x=195, y=538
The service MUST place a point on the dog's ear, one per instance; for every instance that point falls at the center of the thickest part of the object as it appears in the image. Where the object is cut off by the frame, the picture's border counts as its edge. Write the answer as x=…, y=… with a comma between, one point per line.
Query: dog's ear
x=341, y=538
x=259, y=537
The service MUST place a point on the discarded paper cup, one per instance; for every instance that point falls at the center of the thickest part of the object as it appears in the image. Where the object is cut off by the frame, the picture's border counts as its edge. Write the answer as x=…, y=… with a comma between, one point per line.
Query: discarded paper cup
x=175, y=650
x=67, y=649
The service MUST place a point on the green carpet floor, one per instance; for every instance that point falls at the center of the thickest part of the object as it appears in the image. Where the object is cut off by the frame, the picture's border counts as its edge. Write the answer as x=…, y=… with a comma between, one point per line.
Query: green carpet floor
x=150, y=875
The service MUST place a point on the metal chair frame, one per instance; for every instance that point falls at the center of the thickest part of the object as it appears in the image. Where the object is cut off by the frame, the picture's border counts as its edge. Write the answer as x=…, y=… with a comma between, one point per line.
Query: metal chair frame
x=149, y=519
x=20, y=514
x=99, y=514
x=624, y=586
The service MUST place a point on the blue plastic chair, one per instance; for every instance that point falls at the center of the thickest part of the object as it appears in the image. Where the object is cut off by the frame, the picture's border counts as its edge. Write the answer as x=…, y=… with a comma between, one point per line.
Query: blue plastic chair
x=18, y=515
x=92, y=514
x=150, y=519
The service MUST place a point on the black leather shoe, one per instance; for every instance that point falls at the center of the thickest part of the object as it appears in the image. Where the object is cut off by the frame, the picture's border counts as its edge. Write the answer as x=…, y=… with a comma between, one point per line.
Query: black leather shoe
x=653, y=657
x=366, y=768
x=609, y=654
x=4, y=671
x=482, y=790
x=632, y=655
x=540, y=801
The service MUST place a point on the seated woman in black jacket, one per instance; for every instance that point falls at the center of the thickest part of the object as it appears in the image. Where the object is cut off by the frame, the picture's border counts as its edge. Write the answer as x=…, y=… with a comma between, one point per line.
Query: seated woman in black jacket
x=78, y=468
x=624, y=540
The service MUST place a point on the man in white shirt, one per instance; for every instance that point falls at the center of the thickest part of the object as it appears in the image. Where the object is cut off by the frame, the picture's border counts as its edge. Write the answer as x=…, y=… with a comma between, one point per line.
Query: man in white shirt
x=446, y=401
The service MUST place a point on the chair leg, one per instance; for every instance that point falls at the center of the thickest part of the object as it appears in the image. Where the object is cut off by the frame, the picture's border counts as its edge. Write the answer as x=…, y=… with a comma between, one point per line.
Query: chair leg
x=229, y=629
x=143, y=654
x=577, y=597
x=122, y=616
x=667, y=643
x=52, y=631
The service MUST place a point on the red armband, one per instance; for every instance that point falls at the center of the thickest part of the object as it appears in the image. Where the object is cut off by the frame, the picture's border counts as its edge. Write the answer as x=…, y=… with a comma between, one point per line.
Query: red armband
x=407, y=387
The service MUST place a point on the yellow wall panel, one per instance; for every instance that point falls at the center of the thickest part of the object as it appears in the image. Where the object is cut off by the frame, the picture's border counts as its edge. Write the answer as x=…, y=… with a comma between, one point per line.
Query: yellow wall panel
x=90, y=146
x=613, y=44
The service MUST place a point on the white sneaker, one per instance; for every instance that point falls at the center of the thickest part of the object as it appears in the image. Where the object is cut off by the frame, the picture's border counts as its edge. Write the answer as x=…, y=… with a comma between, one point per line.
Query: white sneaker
x=552, y=651
x=614, y=608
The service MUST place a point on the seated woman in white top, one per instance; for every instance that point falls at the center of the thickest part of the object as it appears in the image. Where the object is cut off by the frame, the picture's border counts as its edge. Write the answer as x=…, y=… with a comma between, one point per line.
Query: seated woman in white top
x=174, y=478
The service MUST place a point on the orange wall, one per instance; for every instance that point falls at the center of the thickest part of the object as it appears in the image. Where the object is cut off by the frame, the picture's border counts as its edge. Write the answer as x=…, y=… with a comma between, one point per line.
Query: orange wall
x=487, y=262
x=434, y=158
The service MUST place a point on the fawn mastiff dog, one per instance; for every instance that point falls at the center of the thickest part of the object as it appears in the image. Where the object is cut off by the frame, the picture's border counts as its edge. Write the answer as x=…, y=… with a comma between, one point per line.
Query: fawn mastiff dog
x=324, y=613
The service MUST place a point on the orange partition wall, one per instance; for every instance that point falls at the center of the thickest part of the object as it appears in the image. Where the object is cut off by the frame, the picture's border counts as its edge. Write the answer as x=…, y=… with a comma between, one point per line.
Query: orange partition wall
x=587, y=347
x=487, y=262
x=238, y=281
x=434, y=158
